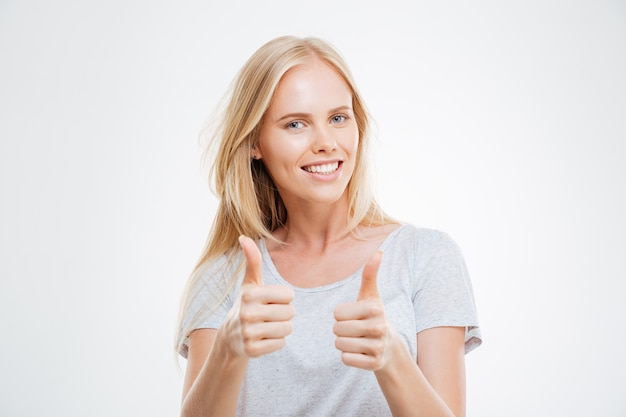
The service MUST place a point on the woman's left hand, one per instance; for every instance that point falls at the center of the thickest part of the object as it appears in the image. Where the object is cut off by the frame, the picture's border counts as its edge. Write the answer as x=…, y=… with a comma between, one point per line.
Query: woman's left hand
x=363, y=334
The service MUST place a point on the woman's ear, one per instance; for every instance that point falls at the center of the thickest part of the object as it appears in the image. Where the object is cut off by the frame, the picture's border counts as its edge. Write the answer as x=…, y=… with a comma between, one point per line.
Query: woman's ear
x=255, y=153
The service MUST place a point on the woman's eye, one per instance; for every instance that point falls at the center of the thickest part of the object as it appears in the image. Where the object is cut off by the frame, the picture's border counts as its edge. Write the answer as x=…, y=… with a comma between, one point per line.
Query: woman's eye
x=338, y=118
x=295, y=125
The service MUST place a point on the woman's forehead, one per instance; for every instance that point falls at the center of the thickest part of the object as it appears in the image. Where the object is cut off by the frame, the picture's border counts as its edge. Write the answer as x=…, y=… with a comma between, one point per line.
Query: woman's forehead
x=311, y=86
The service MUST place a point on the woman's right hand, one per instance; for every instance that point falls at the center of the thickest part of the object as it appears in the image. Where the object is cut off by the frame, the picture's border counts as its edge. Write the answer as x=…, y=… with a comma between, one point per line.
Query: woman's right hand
x=261, y=317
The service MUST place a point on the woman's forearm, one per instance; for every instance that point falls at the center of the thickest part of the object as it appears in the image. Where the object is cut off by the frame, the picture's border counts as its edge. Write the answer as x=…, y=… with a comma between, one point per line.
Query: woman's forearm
x=215, y=390
x=406, y=389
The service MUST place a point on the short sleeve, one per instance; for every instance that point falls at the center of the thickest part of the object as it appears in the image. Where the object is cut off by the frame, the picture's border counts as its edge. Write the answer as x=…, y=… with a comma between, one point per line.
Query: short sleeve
x=444, y=294
x=209, y=300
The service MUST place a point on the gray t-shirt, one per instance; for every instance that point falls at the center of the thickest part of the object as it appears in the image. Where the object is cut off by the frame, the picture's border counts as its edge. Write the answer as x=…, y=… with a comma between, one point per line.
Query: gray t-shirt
x=423, y=283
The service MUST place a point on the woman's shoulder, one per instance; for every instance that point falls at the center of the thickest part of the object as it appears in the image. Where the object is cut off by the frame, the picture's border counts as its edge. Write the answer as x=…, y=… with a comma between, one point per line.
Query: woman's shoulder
x=217, y=271
x=423, y=239
x=422, y=233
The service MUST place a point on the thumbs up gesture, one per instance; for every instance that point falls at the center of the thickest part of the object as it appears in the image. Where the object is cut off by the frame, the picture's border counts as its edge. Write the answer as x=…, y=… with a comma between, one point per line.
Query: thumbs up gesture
x=363, y=334
x=261, y=317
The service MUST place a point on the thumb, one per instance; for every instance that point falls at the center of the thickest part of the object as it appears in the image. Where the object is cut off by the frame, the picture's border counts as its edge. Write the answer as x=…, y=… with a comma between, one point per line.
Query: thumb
x=253, y=261
x=369, y=288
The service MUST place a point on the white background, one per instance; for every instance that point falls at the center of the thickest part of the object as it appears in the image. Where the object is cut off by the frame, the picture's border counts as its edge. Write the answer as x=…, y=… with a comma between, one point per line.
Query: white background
x=502, y=123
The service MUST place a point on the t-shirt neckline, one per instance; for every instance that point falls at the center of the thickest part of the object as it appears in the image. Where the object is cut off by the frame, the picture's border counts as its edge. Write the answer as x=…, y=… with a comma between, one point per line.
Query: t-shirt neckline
x=267, y=260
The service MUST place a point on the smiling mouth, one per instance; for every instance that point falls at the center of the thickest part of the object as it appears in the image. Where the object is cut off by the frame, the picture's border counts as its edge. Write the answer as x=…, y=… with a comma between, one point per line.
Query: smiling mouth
x=323, y=169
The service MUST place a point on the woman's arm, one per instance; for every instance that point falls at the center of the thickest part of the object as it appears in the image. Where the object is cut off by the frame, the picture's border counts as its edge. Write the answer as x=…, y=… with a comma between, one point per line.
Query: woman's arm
x=213, y=377
x=256, y=325
x=432, y=386
x=435, y=385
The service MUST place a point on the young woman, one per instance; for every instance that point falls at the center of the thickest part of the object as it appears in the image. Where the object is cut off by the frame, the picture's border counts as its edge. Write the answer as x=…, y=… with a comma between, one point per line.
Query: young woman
x=309, y=300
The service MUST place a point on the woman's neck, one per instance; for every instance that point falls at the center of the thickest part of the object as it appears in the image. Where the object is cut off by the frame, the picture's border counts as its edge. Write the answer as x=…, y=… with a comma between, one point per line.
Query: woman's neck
x=315, y=226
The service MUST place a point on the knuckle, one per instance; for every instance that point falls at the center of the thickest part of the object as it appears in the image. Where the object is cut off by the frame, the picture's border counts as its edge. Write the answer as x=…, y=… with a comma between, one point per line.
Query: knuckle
x=378, y=348
x=245, y=315
x=378, y=330
x=247, y=295
x=376, y=365
x=252, y=351
x=248, y=314
x=247, y=334
x=375, y=309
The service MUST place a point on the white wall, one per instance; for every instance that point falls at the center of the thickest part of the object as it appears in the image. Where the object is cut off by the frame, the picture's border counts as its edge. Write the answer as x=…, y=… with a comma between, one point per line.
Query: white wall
x=503, y=123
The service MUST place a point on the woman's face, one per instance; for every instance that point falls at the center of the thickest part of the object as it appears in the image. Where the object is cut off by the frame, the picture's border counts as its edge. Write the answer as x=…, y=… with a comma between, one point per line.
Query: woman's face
x=309, y=138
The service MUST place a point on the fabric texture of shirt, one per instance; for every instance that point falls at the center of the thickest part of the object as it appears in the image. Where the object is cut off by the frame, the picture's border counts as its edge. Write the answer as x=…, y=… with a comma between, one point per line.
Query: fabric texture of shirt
x=423, y=283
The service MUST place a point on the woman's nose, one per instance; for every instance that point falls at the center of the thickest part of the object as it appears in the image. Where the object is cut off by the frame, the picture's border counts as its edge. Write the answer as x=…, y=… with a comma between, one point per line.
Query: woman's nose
x=323, y=141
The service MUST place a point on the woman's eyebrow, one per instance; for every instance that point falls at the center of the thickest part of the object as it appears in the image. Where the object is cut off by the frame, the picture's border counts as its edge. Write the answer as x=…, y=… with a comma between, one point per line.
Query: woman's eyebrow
x=300, y=115
x=294, y=116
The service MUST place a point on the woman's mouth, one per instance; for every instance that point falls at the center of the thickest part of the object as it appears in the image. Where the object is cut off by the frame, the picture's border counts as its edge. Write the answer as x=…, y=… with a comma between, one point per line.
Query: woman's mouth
x=323, y=169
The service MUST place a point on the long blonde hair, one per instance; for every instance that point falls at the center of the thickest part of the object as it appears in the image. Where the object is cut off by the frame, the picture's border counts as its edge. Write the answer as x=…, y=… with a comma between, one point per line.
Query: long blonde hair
x=249, y=202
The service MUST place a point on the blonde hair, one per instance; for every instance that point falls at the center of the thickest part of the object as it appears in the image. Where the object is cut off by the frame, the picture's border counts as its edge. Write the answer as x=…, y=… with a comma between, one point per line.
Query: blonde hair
x=249, y=202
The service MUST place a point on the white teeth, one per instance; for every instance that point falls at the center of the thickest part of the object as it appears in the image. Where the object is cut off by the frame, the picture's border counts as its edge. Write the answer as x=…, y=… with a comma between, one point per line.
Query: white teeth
x=322, y=169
